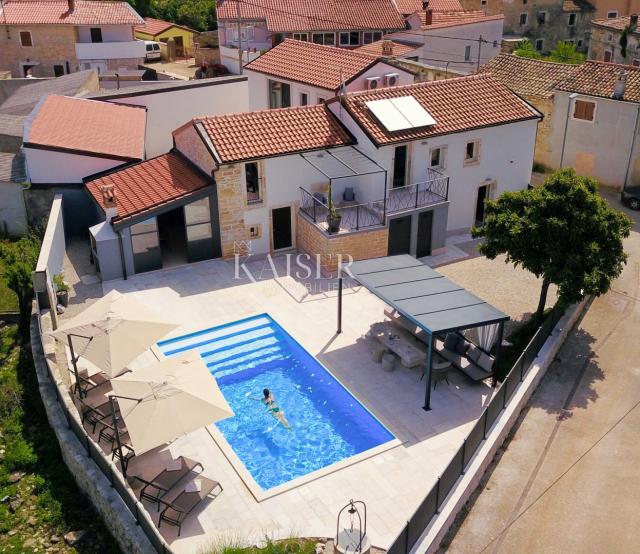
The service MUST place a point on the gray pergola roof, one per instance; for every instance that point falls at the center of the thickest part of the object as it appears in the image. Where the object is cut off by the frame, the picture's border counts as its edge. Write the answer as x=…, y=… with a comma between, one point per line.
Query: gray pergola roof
x=345, y=161
x=424, y=296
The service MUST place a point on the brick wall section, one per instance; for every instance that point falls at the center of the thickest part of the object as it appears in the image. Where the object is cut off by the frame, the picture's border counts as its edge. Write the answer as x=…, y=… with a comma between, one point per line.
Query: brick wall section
x=359, y=245
x=230, y=208
x=52, y=45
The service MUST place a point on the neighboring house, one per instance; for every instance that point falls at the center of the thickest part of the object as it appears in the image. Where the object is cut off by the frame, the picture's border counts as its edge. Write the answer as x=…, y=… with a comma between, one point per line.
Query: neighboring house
x=170, y=104
x=605, y=40
x=596, y=121
x=459, y=41
x=49, y=38
x=608, y=9
x=402, y=166
x=298, y=73
x=161, y=31
x=266, y=23
x=13, y=213
x=66, y=139
x=535, y=82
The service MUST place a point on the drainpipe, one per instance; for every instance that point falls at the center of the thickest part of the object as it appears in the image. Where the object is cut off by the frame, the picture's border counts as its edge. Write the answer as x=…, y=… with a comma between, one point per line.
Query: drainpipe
x=633, y=144
x=572, y=97
x=122, y=262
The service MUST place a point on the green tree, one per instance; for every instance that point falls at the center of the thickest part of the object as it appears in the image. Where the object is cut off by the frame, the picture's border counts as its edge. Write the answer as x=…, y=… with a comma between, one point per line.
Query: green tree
x=197, y=14
x=565, y=52
x=525, y=49
x=562, y=232
x=20, y=258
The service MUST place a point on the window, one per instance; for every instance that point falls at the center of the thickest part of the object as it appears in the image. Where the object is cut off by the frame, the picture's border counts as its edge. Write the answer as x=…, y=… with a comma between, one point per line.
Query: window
x=328, y=39
x=279, y=94
x=579, y=43
x=320, y=100
x=636, y=62
x=96, y=34
x=301, y=36
x=523, y=19
x=197, y=222
x=304, y=99
x=146, y=246
x=583, y=109
x=607, y=55
x=524, y=2
x=437, y=157
x=467, y=53
x=252, y=178
x=371, y=36
x=539, y=44
x=25, y=39
x=572, y=19
x=612, y=15
x=472, y=152
x=351, y=38
x=58, y=70
x=542, y=18
x=483, y=2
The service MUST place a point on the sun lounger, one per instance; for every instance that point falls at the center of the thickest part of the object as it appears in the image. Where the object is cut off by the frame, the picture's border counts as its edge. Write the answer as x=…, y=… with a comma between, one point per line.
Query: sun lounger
x=86, y=382
x=168, y=478
x=194, y=492
x=93, y=415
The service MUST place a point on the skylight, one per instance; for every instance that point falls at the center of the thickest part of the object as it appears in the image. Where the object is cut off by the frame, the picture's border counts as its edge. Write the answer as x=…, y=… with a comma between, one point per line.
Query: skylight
x=398, y=114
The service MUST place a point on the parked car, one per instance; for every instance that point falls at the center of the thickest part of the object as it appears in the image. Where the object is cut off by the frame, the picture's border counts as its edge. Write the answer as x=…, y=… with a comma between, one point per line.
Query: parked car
x=152, y=50
x=631, y=197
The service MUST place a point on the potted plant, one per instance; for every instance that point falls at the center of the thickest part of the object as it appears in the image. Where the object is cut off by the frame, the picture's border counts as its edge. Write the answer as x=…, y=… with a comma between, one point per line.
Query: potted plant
x=62, y=289
x=334, y=220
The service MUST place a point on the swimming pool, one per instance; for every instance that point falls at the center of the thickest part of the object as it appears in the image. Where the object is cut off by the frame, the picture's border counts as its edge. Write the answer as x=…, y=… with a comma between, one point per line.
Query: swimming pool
x=328, y=423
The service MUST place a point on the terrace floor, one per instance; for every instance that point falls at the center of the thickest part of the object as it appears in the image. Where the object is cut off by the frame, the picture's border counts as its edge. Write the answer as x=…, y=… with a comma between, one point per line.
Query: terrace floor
x=392, y=483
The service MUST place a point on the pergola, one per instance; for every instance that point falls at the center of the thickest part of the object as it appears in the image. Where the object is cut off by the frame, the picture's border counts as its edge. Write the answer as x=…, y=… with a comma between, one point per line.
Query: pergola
x=427, y=299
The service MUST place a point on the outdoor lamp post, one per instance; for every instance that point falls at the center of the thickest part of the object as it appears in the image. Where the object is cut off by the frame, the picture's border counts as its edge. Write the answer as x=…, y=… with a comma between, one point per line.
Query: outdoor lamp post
x=353, y=536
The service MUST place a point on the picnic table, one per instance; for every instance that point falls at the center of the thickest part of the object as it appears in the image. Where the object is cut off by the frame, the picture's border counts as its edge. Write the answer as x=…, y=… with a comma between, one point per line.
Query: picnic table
x=399, y=343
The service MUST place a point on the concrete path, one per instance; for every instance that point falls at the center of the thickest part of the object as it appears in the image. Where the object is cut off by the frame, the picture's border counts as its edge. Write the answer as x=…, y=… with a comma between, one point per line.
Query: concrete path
x=568, y=480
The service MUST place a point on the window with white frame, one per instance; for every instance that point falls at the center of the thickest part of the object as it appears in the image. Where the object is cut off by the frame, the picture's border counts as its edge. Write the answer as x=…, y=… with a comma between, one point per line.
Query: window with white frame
x=523, y=19
x=350, y=38
x=542, y=18
x=371, y=36
x=612, y=15
x=472, y=152
x=572, y=19
x=328, y=39
x=539, y=44
x=437, y=157
x=246, y=34
x=584, y=110
x=467, y=52
x=304, y=98
x=301, y=36
x=26, y=39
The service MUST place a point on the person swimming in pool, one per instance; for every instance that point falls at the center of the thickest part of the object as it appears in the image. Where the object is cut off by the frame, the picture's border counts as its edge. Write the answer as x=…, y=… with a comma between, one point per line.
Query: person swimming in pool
x=269, y=401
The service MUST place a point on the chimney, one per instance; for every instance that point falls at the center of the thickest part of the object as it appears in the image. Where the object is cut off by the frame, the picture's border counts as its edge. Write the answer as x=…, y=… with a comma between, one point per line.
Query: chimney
x=425, y=5
x=71, y=4
x=633, y=20
x=428, y=16
x=110, y=201
x=387, y=48
x=620, y=84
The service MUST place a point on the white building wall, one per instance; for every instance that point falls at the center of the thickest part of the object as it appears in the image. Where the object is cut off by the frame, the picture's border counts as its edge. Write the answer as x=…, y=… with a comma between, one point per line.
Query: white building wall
x=169, y=109
x=110, y=33
x=46, y=166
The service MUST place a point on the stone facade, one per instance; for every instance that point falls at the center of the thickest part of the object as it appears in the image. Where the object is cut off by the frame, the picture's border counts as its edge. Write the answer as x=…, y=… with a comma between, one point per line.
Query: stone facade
x=52, y=45
x=231, y=207
x=360, y=245
x=544, y=147
x=605, y=46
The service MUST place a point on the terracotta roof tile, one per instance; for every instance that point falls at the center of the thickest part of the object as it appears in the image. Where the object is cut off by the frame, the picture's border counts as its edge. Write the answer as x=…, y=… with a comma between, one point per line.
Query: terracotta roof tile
x=146, y=185
x=316, y=15
x=459, y=104
x=313, y=64
x=615, y=24
x=265, y=133
x=56, y=12
x=598, y=79
x=88, y=126
x=156, y=26
x=398, y=49
x=407, y=7
x=442, y=20
x=528, y=77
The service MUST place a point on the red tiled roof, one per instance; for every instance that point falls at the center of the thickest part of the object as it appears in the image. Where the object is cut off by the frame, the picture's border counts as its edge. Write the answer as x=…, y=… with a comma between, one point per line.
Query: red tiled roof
x=56, y=12
x=457, y=105
x=442, y=20
x=154, y=27
x=617, y=24
x=407, y=7
x=149, y=184
x=321, y=66
x=252, y=135
x=284, y=16
x=398, y=49
x=598, y=79
x=89, y=126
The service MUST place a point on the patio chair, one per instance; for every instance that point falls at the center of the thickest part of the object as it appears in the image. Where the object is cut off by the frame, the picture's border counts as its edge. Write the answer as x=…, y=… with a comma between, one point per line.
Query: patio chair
x=176, y=511
x=85, y=382
x=93, y=415
x=107, y=432
x=168, y=478
x=348, y=195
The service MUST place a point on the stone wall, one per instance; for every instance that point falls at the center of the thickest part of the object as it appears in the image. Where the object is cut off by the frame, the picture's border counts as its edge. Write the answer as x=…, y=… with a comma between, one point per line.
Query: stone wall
x=360, y=245
x=231, y=208
x=544, y=145
x=52, y=45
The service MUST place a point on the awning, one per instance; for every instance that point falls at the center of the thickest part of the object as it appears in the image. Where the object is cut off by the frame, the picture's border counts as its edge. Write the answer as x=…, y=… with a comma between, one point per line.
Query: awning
x=338, y=163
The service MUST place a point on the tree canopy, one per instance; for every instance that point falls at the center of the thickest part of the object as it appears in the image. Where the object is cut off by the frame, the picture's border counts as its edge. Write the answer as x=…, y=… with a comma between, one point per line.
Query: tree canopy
x=562, y=232
x=196, y=14
x=564, y=52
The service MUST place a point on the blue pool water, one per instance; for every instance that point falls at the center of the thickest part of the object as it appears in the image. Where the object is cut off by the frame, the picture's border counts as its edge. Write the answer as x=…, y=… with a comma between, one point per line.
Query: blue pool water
x=328, y=423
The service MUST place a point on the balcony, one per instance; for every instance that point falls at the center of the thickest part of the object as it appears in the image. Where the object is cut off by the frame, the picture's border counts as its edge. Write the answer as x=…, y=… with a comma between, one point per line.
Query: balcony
x=110, y=50
x=353, y=216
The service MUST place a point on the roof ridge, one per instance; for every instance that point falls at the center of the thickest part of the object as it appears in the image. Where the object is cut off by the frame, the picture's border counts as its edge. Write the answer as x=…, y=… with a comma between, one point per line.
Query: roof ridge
x=612, y=64
x=270, y=111
x=534, y=60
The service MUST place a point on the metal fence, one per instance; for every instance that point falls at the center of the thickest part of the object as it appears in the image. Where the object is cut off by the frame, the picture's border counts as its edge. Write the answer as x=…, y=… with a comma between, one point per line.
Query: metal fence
x=436, y=497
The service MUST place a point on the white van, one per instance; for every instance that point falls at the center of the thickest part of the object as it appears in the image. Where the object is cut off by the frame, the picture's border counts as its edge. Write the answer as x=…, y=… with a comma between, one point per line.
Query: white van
x=152, y=50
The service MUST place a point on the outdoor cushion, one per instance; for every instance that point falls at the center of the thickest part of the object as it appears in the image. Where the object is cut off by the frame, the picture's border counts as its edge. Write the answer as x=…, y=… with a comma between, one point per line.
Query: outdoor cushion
x=462, y=347
x=485, y=362
x=451, y=341
x=473, y=353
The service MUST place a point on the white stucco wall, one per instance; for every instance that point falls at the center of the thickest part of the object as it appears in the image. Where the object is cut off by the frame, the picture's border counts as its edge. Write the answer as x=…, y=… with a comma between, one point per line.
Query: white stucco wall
x=110, y=33
x=599, y=148
x=46, y=166
x=169, y=109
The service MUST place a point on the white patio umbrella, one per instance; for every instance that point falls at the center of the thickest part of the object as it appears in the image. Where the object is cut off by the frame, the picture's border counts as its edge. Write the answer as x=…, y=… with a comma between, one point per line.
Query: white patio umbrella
x=112, y=332
x=164, y=401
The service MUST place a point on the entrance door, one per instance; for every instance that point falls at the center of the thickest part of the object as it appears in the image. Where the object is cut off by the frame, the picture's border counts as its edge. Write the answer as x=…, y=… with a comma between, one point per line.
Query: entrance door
x=400, y=166
x=399, y=236
x=281, y=228
x=425, y=224
x=483, y=192
x=172, y=235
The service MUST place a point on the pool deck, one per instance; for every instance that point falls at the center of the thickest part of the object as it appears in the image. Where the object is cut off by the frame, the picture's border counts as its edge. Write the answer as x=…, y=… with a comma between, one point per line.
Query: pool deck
x=392, y=483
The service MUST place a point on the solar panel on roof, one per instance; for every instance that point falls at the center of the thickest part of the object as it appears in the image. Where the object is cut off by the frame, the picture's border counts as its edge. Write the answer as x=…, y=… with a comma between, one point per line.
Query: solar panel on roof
x=397, y=114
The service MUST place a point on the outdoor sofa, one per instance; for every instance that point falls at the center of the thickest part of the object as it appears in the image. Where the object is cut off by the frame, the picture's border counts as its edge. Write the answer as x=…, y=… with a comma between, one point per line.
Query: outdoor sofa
x=465, y=356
